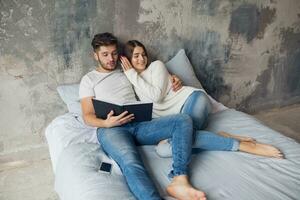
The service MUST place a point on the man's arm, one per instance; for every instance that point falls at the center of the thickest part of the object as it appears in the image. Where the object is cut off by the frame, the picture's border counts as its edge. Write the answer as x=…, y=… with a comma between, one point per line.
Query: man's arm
x=90, y=118
x=176, y=83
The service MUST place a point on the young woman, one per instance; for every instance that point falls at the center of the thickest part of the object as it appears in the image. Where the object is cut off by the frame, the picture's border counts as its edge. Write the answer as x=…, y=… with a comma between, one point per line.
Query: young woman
x=152, y=83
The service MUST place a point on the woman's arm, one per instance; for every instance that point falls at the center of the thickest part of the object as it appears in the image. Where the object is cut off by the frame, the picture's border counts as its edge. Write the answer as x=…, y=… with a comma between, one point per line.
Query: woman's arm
x=159, y=83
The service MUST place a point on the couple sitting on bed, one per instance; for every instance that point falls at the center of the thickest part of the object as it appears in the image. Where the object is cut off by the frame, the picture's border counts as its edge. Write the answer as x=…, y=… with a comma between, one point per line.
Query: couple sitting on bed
x=178, y=115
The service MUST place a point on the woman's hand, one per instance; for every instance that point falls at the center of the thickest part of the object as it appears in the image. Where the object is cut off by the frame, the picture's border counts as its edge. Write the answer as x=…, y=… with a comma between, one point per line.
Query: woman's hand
x=126, y=65
x=123, y=118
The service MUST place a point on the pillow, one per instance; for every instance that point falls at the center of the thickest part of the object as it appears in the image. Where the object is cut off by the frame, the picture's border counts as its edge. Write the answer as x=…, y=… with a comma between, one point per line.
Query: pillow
x=181, y=67
x=70, y=96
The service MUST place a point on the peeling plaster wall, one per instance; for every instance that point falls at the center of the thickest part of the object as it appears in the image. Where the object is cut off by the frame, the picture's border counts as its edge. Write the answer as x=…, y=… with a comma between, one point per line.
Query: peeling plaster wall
x=42, y=44
x=246, y=53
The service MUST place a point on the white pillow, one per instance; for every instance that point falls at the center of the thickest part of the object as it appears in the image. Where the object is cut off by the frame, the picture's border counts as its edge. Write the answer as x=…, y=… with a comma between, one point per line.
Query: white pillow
x=181, y=67
x=70, y=95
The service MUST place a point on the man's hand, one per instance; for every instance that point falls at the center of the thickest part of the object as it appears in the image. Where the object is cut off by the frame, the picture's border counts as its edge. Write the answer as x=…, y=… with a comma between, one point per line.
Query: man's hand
x=176, y=83
x=123, y=118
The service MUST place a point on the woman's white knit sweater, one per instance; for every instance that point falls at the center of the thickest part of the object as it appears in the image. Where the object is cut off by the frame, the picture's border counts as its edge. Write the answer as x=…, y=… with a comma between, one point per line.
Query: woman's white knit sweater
x=154, y=85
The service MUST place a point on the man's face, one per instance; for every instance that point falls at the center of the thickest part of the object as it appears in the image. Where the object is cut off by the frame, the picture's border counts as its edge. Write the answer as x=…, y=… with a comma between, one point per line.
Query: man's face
x=107, y=56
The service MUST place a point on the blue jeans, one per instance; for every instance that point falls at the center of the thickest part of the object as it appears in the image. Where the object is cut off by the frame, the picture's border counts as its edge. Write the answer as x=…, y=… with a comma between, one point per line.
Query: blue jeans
x=198, y=107
x=120, y=144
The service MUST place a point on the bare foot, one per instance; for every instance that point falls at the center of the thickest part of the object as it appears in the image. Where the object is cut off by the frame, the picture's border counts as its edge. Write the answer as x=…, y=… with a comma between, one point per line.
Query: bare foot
x=181, y=189
x=260, y=149
x=163, y=141
x=237, y=137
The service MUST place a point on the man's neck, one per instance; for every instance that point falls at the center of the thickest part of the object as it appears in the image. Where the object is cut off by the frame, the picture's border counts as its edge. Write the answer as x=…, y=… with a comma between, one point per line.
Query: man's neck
x=103, y=70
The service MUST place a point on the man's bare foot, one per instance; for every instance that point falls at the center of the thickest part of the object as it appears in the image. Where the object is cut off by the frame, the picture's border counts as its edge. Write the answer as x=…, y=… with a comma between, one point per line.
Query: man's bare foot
x=260, y=149
x=237, y=137
x=181, y=189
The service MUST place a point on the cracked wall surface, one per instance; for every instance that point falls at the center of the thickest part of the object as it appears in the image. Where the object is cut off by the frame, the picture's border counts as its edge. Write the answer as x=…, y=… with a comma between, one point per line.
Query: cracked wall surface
x=245, y=53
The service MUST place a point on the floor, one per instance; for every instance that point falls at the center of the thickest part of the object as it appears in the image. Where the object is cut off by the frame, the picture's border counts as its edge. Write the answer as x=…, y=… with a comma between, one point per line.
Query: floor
x=27, y=175
x=285, y=120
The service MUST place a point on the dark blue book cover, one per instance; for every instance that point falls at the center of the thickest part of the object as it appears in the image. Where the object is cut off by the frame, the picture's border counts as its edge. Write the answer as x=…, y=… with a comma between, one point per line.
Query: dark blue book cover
x=142, y=111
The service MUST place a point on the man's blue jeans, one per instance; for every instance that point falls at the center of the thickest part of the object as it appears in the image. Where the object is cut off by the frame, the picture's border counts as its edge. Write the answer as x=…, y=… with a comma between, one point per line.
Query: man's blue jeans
x=120, y=144
x=198, y=107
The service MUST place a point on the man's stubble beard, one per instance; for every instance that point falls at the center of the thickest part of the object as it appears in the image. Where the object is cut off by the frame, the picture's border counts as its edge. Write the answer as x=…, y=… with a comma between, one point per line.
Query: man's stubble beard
x=103, y=66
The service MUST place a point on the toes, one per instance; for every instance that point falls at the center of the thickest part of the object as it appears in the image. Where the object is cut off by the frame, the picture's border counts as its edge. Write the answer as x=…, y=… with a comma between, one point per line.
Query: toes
x=247, y=139
x=251, y=139
x=280, y=155
x=199, y=195
x=203, y=198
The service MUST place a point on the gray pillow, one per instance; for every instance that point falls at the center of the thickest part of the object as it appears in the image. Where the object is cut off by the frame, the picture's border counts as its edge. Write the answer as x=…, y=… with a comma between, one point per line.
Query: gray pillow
x=181, y=67
x=69, y=93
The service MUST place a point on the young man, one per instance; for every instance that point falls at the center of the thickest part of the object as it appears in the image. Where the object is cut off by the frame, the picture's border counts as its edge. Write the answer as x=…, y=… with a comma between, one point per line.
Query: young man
x=118, y=138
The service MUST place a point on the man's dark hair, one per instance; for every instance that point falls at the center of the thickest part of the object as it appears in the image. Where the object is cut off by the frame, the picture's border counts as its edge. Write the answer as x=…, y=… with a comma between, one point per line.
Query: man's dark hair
x=103, y=39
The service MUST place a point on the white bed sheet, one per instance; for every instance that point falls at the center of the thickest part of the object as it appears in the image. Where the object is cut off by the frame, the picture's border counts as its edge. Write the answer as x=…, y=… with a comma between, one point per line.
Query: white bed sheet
x=222, y=175
x=66, y=130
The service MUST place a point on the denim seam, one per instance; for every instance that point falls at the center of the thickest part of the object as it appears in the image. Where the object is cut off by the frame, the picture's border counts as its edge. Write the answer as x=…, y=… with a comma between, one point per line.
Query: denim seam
x=180, y=172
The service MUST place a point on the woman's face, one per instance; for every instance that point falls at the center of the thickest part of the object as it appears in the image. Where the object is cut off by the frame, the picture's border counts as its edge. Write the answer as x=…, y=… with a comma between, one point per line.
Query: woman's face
x=139, y=59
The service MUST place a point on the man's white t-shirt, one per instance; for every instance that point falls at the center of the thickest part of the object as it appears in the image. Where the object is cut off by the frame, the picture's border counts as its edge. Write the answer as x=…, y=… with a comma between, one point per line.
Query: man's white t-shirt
x=111, y=87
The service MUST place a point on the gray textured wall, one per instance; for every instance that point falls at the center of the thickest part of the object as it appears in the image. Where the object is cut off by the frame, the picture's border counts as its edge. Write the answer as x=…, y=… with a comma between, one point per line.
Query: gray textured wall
x=246, y=53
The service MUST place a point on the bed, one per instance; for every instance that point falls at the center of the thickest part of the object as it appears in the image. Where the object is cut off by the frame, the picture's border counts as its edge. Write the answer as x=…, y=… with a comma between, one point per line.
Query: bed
x=76, y=158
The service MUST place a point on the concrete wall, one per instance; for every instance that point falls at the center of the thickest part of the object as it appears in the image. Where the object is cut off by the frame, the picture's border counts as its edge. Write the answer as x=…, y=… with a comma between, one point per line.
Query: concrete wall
x=246, y=53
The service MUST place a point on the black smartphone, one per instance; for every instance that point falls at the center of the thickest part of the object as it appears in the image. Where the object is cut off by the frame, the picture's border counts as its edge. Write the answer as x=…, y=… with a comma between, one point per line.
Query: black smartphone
x=105, y=167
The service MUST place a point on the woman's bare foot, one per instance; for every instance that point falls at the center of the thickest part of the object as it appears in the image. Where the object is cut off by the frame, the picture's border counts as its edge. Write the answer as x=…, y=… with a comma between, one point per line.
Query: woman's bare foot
x=163, y=141
x=181, y=189
x=260, y=149
x=237, y=137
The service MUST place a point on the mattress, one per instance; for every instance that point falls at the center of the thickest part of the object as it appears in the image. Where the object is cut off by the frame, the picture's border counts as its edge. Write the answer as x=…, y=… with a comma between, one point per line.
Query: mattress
x=76, y=159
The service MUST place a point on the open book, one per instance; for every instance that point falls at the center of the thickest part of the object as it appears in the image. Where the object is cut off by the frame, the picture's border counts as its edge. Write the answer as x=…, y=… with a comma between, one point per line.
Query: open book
x=142, y=111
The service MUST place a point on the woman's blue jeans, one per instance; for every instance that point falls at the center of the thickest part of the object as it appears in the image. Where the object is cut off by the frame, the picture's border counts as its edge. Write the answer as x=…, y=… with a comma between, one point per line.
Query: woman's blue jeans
x=120, y=144
x=198, y=107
